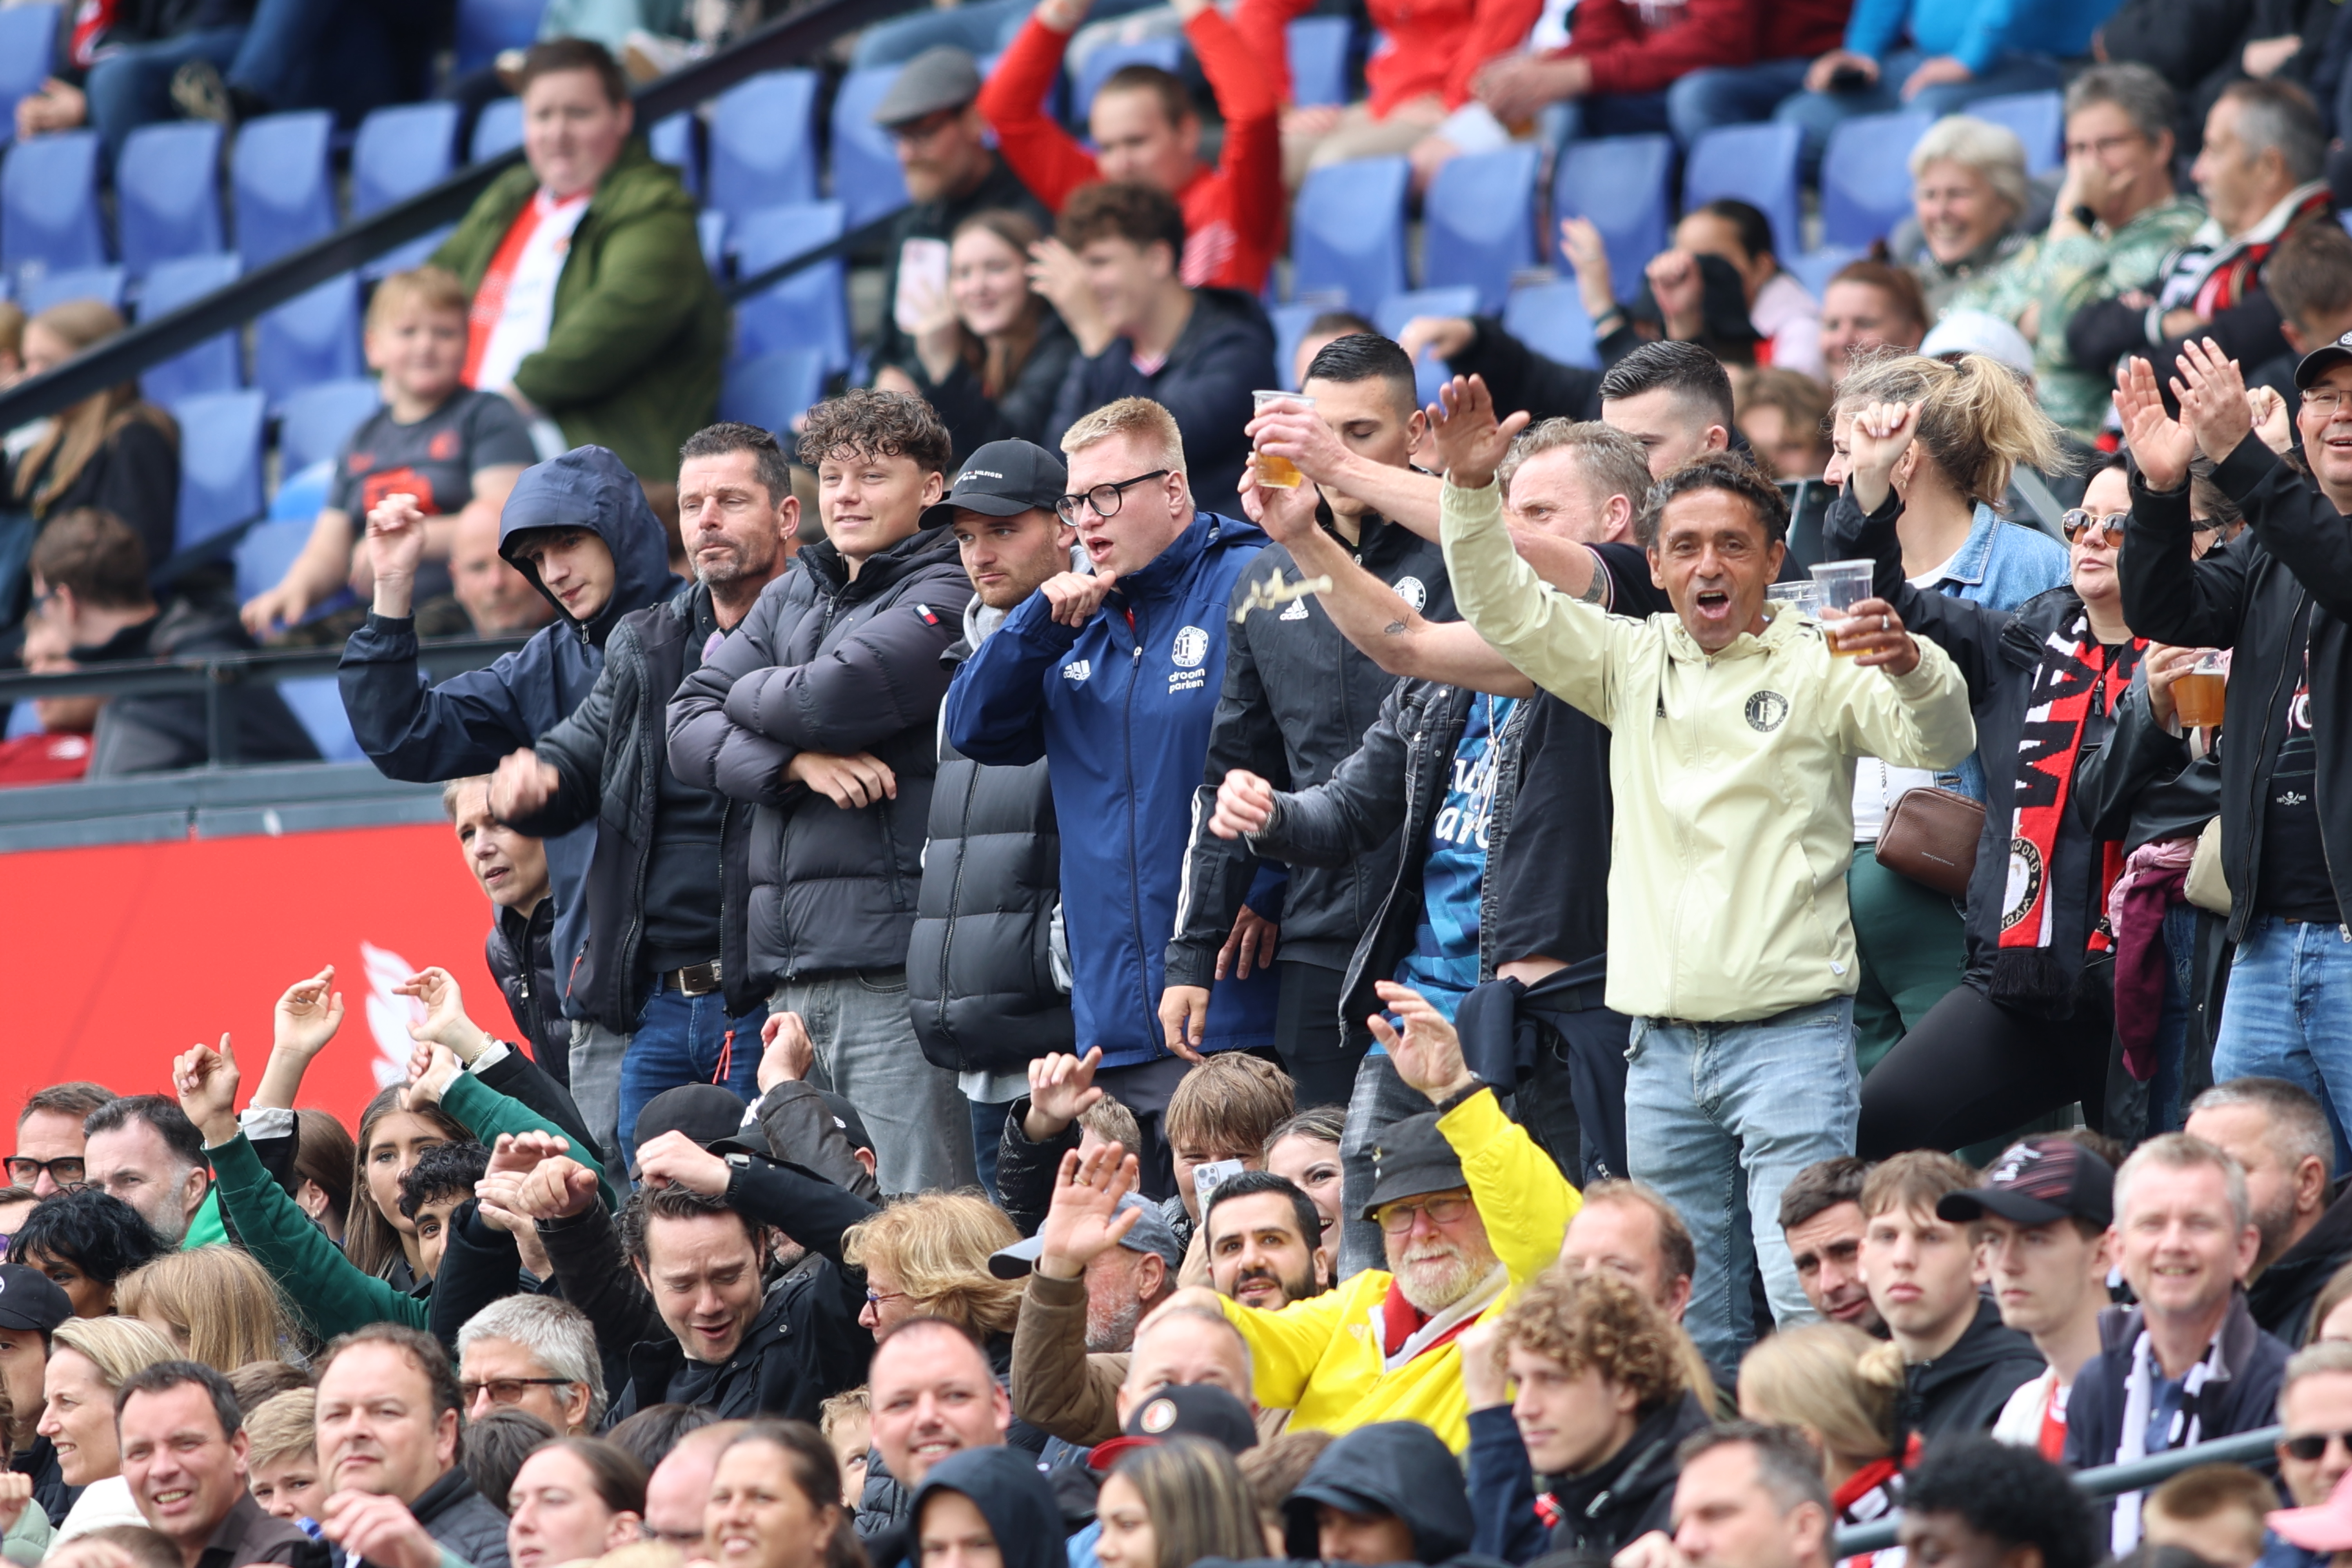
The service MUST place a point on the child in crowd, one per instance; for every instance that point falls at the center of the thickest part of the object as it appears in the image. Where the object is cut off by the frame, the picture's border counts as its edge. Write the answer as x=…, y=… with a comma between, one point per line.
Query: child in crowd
x=846, y=1421
x=2214, y=1510
x=282, y=1461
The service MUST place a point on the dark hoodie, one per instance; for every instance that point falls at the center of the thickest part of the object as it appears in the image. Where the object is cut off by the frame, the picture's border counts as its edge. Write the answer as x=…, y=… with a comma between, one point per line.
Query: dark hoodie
x=1629, y=1494
x=414, y=730
x=1012, y=1493
x=164, y=731
x=2281, y=1296
x=1963, y=1389
x=1399, y=1468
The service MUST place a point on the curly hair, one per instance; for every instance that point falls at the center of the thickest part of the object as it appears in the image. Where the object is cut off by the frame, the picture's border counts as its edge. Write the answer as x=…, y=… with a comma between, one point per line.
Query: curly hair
x=1596, y=1321
x=877, y=425
x=938, y=1245
x=2013, y=1495
x=1725, y=471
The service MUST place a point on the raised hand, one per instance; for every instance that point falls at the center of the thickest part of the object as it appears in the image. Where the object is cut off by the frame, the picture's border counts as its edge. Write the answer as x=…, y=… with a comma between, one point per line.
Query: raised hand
x=1428, y=1053
x=1286, y=515
x=1876, y=440
x=1483, y=1378
x=1061, y=1089
x=519, y=1154
x=1245, y=804
x=206, y=1080
x=851, y=781
x=445, y=1023
x=430, y=1070
x=308, y=1015
x=1443, y=336
x=556, y=1189
x=522, y=784
x=395, y=542
x=1467, y=440
x=1587, y=255
x=2161, y=446
x=2213, y=401
x=1873, y=633
x=2273, y=422
x=1083, y=1220
x=1680, y=289
x=786, y=1052
x=674, y=1160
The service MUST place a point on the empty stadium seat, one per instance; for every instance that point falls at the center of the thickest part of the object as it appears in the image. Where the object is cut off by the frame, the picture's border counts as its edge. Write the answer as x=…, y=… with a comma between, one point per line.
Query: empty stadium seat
x=1815, y=268
x=167, y=194
x=220, y=462
x=1757, y=164
x=311, y=338
x=1479, y=222
x=1620, y=182
x=710, y=227
x=867, y=180
x=28, y=39
x=672, y=141
x=318, y=419
x=1290, y=325
x=285, y=196
x=1429, y=372
x=764, y=143
x=1866, y=176
x=48, y=205
x=266, y=552
x=772, y=390
x=399, y=152
x=498, y=129
x=211, y=365
x=1168, y=53
x=808, y=309
x=1347, y=232
x=74, y=283
x=1318, y=48
x=486, y=27
x=316, y=702
x=301, y=494
x=2038, y=117
x=1549, y=319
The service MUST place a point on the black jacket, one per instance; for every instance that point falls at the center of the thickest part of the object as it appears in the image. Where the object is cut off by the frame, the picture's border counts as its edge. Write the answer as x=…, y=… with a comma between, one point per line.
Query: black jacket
x=1389, y=1467
x=2287, y=578
x=1013, y=1494
x=521, y=953
x=1022, y=411
x=2281, y=1296
x=162, y=733
x=1602, y=1510
x=1521, y=378
x=981, y=968
x=1963, y=1389
x=825, y=663
x=1297, y=701
x=462, y=1520
x=134, y=475
x=49, y=1489
x=610, y=754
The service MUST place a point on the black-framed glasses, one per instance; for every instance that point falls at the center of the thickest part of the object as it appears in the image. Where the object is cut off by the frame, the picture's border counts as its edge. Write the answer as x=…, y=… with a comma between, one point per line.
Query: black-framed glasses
x=65, y=1170
x=1105, y=499
x=2310, y=1446
x=2078, y=522
x=1397, y=1218
x=506, y=1390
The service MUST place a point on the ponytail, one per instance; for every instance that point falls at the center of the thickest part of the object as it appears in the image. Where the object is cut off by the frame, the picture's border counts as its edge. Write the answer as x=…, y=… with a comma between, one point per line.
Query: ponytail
x=1977, y=422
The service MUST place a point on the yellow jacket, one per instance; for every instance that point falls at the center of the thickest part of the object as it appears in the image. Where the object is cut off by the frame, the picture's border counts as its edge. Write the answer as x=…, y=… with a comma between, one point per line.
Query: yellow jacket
x=1733, y=776
x=1322, y=1356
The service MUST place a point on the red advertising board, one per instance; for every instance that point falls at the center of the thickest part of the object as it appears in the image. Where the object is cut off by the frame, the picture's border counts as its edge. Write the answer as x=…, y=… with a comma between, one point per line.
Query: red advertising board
x=116, y=959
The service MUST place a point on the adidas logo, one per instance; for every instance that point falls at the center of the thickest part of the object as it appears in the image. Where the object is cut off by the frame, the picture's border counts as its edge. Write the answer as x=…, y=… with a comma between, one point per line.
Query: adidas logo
x=1077, y=670
x=1295, y=612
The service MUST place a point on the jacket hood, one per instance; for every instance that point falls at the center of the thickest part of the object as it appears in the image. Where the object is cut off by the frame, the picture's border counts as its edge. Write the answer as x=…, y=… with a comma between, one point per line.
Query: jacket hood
x=924, y=547
x=590, y=488
x=1393, y=1467
x=1012, y=1494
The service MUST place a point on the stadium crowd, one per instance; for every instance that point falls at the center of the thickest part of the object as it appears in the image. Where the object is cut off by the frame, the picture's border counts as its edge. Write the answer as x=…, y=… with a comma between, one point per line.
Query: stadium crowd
x=1105, y=965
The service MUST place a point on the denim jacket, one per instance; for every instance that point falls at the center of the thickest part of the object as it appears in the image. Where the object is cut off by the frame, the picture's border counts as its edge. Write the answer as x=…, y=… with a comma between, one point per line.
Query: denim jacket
x=2002, y=564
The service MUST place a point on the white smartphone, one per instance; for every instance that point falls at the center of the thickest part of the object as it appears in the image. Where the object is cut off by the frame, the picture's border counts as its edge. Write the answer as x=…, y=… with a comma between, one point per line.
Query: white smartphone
x=1208, y=1178
x=922, y=274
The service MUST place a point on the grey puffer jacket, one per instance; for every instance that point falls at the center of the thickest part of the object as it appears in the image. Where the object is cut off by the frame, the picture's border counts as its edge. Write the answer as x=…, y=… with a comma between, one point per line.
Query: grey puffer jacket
x=464, y=1521
x=828, y=663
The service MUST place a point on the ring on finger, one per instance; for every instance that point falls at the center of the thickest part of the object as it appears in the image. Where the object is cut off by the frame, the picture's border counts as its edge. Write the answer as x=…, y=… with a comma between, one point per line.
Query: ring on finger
x=1886, y=624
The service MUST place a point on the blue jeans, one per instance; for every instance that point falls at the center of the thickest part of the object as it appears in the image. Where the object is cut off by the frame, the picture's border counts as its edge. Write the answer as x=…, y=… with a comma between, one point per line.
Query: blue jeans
x=1719, y=1118
x=987, y=1140
x=2165, y=1111
x=2288, y=1014
x=133, y=87
x=1709, y=99
x=682, y=1039
x=867, y=1054
x=1819, y=113
x=319, y=54
x=1381, y=1099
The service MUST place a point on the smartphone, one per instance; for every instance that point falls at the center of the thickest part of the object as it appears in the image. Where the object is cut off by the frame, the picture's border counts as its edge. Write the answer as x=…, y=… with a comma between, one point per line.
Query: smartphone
x=1845, y=79
x=922, y=275
x=1208, y=1178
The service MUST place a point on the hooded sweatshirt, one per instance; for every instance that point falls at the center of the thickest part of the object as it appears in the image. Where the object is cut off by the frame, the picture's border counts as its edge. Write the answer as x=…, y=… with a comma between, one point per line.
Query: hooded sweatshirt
x=1963, y=1390
x=1399, y=1468
x=414, y=730
x=1012, y=1493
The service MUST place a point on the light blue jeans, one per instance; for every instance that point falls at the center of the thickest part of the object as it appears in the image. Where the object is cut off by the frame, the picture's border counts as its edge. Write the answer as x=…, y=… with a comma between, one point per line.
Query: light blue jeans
x=867, y=1054
x=1381, y=1100
x=2288, y=1014
x=1719, y=1118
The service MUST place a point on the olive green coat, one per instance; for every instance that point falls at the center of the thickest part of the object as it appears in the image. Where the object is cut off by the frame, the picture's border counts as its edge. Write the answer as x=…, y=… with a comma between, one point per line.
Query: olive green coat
x=640, y=332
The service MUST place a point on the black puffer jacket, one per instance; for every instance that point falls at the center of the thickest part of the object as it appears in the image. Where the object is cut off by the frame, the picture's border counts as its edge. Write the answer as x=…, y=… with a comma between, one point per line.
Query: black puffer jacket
x=832, y=664
x=521, y=953
x=981, y=967
x=1297, y=701
x=460, y=1519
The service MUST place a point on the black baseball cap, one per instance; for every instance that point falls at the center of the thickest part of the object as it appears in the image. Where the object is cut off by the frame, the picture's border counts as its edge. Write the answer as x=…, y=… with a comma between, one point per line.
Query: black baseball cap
x=703, y=1112
x=2322, y=360
x=2036, y=1182
x=1004, y=478
x=31, y=1299
x=1180, y=1410
x=1413, y=1158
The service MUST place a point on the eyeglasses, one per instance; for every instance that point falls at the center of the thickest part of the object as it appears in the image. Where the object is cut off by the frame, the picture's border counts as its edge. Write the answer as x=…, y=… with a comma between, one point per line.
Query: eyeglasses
x=2310, y=1446
x=2103, y=145
x=1104, y=499
x=65, y=1170
x=508, y=1389
x=2325, y=401
x=1397, y=1218
x=876, y=1298
x=2078, y=522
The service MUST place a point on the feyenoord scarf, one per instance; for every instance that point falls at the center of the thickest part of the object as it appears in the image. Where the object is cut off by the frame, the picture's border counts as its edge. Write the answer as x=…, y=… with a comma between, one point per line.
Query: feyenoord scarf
x=2077, y=678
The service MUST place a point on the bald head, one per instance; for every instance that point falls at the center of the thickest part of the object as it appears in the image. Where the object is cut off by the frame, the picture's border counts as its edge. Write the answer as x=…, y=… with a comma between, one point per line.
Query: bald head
x=680, y=1485
x=1186, y=1344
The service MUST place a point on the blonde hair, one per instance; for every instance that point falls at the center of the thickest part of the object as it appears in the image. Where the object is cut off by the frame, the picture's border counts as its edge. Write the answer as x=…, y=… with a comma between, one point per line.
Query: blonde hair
x=223, y=1301
x=117, y=1347
x=857, y=1405
x=1812, y=1377
x=1144, y=421
x=434, y=287
x=77, y=433
x=1992, y=151
x=1977, y=420
x=938, y=1244
x=282, y=1424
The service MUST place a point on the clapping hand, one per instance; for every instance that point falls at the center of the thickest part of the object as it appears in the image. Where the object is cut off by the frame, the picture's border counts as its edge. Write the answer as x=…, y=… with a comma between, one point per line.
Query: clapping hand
x=2213, y=401
x=2160, y=444
x=1469, y=442
x=1083, y=1220
x=1427, y=1054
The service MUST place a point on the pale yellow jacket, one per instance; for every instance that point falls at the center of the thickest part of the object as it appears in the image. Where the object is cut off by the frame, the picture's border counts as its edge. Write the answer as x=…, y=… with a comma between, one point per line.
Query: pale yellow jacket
x=1322, y=1356
x=1733, y=775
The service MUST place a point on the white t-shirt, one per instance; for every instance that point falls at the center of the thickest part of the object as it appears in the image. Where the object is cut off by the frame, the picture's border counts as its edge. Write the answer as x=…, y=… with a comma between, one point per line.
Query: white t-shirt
x=529, y=309
x=2019, y=1422
x=1878, y=786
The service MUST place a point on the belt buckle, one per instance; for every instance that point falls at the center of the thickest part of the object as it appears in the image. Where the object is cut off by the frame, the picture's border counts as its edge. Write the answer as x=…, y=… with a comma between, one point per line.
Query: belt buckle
x=698, y=979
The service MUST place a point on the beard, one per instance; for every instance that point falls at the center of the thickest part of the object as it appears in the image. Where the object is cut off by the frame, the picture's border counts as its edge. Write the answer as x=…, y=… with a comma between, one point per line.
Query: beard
x=1110, y=1325
x=1297, y=1290
x=1435, y=1275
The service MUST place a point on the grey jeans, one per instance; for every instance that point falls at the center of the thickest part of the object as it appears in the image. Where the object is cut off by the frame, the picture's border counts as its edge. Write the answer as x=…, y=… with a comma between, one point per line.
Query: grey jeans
x=595, y=1066
x=867, y=1054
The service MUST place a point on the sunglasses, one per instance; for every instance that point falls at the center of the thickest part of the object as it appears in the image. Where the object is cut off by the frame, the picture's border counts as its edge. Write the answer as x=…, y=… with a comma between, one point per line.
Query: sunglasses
x=2310, y=1446
x=2078, y=522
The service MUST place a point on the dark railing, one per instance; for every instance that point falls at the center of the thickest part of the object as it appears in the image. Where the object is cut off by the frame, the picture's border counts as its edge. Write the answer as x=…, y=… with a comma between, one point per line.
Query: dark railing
x=2108, y=1481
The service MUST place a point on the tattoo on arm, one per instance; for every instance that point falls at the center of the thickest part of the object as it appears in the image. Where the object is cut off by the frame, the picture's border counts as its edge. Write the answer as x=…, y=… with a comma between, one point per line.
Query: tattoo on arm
x=1596, y=589
x=1394, y=629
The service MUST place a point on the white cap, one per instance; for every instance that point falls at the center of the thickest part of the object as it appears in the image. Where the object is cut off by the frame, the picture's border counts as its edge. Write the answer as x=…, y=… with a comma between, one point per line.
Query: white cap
x=1980, y=332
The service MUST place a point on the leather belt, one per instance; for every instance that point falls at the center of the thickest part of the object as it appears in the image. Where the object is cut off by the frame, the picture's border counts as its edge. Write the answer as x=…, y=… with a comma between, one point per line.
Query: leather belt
x=694, y=979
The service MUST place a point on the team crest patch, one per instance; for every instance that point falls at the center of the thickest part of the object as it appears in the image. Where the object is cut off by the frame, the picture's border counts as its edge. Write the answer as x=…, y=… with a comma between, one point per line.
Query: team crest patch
x=1191, y=647
x=2025, y=873
x=1413, y=592
x=1157, y=1417
x=1765, y=710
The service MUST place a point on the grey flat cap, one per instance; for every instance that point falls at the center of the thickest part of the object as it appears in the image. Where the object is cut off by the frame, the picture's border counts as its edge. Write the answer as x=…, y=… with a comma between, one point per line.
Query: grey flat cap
x=941, y=77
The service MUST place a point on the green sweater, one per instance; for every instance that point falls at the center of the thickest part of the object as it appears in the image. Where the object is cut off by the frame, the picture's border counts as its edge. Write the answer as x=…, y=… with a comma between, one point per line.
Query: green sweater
x=639, y=333
x=334, y=1295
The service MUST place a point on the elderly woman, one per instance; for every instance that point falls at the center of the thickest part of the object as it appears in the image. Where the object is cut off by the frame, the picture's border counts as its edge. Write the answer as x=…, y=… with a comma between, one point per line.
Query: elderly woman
x=1969, y=199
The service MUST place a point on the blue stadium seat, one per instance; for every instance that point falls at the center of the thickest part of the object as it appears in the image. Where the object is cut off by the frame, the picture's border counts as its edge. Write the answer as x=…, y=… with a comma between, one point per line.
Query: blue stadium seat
x=1290, y=324
x=772, y=390
x=48, y=205
x=22, y=718
x=311, y=338
x=2038, y=117
x=1866, y=176
x=710, y=227
x=212, y=365
x=1549, y=319
x=399, y=152
x=1429, y=372
x=318, y=704
x=167, y=191
x=808, y=309
x=74, y=283
x=672, y=141
x=1816, y=267
x=1319, y=48
x=497, y=129
x=220, y=462
x=486, y=27
x=1757, y=164
x=764, y=143
x=29, y=41
x=319, y=417
x=1347, y=232
x=1479, y=222
x=285, y=196
x=266, y=552
x=1168, y=53
x=865, y=177
x=302, y=494
x=1620, y=182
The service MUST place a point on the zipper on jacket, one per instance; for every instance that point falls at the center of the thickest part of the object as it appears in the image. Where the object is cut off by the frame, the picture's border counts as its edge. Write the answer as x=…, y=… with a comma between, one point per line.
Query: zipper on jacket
x=955, y=898
x=1151, y=1030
